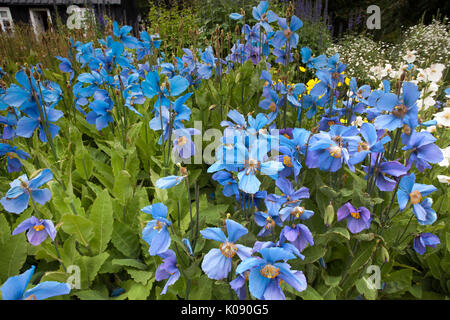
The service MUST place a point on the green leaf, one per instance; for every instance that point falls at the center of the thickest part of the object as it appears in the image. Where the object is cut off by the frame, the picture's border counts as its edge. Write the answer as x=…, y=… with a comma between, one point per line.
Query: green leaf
x=362, y=256
x=139, y=275
x=14, y=254
x=102, y=217
x=83, y=162
x=79, y=227
x=130, y=263
x=89, y=267
x=364, y=287
x=5, y=231
x=201, y=289
x=125, y=240
x=123, y=189
x=90, y=295
x=310, y=294
x=340, y=231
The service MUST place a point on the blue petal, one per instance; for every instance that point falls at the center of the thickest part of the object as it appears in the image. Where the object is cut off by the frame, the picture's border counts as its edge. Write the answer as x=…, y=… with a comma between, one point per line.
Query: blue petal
x=216, y=265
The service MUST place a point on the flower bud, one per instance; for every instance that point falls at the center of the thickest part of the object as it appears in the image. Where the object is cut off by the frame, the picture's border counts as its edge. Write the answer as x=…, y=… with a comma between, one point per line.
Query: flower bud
x=329, y=215
x=384, y=254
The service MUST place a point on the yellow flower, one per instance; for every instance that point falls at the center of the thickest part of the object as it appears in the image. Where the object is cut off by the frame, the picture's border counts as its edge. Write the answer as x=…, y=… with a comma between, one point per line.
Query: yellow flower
x=302, y=69
x=347, y=81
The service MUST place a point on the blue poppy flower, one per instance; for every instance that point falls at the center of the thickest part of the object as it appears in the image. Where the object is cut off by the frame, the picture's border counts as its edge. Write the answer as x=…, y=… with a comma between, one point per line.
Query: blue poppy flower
x=287, y=35
x=400, y=110
x=424, y=240
x=357, y=219
x=27, y=125
x=122, y=33
x=167, y=270
x=266, y=273
x=372, y=144
x=412, y=192
x=299, y=235
x=38, y=230
x=17, y=198
x=264, y=16
x=15, y=288
x=155, y=232
x=393, y=168
x=13, y=154
x=423, y=149
x=217, y=262
x=169, y=182
x=312, y=62
x=268, y=220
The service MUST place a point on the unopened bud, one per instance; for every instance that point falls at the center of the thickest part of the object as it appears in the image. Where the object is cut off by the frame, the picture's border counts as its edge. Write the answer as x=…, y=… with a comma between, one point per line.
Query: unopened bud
x=329, y=215
x=384, y=254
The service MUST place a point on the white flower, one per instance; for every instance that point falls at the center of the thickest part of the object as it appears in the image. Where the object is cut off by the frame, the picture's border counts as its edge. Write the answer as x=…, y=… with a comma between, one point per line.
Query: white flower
x=433, y=87
x=443, y=117
x=446, y=153
x=434, y=72
x=443, y=179
x=422, y=76
x=410, y=56
x=426, y=103
x=358, y=122
x=431, y=129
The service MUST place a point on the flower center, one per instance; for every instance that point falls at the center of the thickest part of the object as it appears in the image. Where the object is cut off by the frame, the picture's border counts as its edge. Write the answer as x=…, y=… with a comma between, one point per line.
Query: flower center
x=228, y=249
x=181, y=141
x=287, y=33
x=39, y=227
x=415, y=197
x=363, y=146
x=400, y=111
x=269, y=271
x=335, y=75
x=335, y=152
x=297, y=211
x=355, y=215
x=159, y=225
x=330, y=123
x=273, y=107
x=287, y=161
x=270, y=223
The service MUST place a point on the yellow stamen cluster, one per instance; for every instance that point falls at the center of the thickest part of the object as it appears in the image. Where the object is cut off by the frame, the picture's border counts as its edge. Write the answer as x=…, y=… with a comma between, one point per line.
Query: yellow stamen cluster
x=287, y=161
x=228, y=249
x=159, y=225
x=335, y=152
x=297, y=211
x=39, y=227
x=269, y=271
x=415, y=197
x=355, y=215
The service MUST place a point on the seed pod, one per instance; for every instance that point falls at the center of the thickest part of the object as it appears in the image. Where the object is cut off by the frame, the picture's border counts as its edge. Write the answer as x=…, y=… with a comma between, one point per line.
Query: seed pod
x=329, y=215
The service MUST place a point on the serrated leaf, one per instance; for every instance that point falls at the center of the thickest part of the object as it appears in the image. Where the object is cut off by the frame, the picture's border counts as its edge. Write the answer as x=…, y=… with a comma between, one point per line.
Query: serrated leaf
x=14, y=254
x=139, y=275
x=130, y=263
x=125, y=240
x=362, y=256
x=363, y=287
x=102, y=217
x=340, y=231
x=90, y=295
x=310, y=294
x=122, y=186
x=5, y=231
x=89, y=267
x=79, y=227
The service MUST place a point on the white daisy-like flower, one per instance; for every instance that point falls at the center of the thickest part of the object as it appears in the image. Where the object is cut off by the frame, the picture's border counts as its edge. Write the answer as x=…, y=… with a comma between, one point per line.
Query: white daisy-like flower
x=446, y=153
x=443, y=117
x=443, y=179
x=426, y=103
x=410, y=56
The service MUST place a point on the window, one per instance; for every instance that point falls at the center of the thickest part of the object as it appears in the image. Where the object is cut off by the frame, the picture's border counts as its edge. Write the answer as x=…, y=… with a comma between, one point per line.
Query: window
x=6, y=23
x=40, y=20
